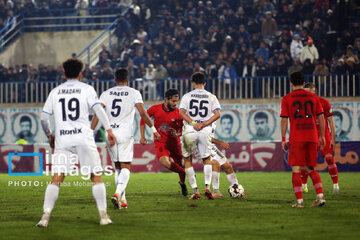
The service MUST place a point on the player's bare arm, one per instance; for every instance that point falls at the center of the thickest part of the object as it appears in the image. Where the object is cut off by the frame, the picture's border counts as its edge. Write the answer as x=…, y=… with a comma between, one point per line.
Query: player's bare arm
x=332, y=128
x=95, y=120
x=145, y=117
x=284, y=126
x=142, y=140
x=222, y=144
x=214, y=117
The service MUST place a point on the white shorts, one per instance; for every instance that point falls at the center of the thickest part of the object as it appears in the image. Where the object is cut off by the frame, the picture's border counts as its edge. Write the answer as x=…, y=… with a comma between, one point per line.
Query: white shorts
x=66, y=160
x=122, y=151
x=196, y=141
x=217, y=155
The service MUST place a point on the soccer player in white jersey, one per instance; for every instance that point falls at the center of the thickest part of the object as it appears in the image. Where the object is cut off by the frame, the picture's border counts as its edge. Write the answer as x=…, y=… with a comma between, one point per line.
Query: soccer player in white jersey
x=219, y=161
x=199, y=109
x=70, y=104
x=120, y=102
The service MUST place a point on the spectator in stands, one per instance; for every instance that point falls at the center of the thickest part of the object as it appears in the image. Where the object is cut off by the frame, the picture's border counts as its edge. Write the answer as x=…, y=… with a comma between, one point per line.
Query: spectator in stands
x=296, y=47
x=262, y=52
x=350, y=53
x=296, y=67
x=340, y=67
x=309, y=52
x=81, y=4
x=308, y=68
x=324, y=52
x=133, y=70
x=269, y=26
x=261, y=68
x=271, y=68
x=140, y=58
x=351, y=67
x=331, y=34
x=106, y=73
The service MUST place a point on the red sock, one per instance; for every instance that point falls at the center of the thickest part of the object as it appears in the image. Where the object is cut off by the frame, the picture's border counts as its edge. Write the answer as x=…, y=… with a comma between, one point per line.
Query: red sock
x=176, y=168
x=296, y=181
x=332, y=169
x=315, y=177
x=304, y=175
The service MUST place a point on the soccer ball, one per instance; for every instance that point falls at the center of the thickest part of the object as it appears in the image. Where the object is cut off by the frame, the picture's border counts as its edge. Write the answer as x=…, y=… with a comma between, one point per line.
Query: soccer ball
x=236, y=191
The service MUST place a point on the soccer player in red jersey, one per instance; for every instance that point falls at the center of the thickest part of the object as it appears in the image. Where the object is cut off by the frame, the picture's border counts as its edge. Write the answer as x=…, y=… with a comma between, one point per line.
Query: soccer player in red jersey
x=328, y=151
x=169, y=124
x=301, y=107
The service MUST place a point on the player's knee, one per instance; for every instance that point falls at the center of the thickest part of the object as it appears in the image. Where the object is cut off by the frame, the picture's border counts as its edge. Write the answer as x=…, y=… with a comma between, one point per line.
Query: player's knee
x=309, y=169
x=227, y=168
x=296, y=169
x=126, y=165
x=95, y=178
x=215, y=166
x=57, y=179
x=164, y=161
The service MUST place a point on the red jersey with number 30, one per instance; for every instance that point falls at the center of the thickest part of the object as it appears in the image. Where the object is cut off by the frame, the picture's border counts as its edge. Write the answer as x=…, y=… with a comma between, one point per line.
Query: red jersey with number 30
x=327, y=113
x=164, y=121
x=302, y=108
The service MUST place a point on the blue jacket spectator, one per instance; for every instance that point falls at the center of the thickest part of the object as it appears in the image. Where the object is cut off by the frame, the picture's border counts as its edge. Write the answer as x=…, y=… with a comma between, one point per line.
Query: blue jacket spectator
x=262, y=52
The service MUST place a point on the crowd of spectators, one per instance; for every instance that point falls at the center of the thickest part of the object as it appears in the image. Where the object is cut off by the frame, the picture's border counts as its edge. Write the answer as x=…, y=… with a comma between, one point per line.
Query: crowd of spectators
x=225, y=39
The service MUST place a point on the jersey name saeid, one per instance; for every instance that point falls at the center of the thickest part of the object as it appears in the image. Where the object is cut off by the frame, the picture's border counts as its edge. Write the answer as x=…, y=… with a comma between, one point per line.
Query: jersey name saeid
x=118, y=93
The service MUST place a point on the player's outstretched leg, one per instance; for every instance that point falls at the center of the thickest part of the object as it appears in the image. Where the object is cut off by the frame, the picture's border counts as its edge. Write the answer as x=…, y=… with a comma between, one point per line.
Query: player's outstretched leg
x=119, y=199
x=333, y=172
x=315, y=177
x=296, y=181
x=231, y=176
x=175, y=167
x=304, y=178
x=215, y=181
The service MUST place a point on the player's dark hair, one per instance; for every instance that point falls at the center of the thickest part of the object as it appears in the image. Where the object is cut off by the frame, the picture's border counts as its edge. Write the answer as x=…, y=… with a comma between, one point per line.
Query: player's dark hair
x=198, y=78
x=22, y=136
x=309, y=85
x=338, y=114
x=121, y=75
x=72, y=67
x=297, y=78
x=25, y=119
x=261, y=115
x=227, y=116
x=171, y=93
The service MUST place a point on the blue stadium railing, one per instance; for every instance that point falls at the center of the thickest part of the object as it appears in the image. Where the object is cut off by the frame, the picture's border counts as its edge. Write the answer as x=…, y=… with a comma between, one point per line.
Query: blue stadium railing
x=267, y=87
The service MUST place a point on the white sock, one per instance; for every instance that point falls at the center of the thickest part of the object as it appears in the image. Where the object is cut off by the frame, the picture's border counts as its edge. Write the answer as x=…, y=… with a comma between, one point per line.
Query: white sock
x=208, y=175
x=117, y=173
x=320, y=195
x=51, y=195
x=99, y=193
x=305, y=185
x=123, y=180
x=215, y=180
x=232, y=178
x=336, y=185
x=190, y=174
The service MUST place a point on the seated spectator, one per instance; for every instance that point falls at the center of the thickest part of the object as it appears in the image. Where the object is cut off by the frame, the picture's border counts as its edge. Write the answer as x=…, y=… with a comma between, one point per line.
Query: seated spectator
x=296, y=67
x=262, y=52
x=139, y=59
x=308, y=68
x=261, y=68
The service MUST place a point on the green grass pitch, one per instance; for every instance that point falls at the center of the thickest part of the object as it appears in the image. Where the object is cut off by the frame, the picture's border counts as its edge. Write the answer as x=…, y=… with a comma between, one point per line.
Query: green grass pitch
x=157, y=210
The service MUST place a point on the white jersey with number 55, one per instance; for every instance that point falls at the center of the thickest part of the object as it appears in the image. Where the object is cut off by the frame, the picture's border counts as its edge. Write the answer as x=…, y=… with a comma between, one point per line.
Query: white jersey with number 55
x=70, y=103
x=120, y=104
x=200, y=105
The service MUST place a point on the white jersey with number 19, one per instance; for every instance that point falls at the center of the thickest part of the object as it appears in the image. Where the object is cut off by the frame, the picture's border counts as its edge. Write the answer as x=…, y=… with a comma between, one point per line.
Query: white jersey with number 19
x=70, y=103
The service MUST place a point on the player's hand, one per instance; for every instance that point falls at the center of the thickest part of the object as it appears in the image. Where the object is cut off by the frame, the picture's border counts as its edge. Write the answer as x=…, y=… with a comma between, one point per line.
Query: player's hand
x=284, y=146
x=199, y=126
x=224, y=145
x=51, y=140
x=322, y=142
x=157, y=136
x=332, y=144
x=174, y=132
x=111, y=138
x=143, y=141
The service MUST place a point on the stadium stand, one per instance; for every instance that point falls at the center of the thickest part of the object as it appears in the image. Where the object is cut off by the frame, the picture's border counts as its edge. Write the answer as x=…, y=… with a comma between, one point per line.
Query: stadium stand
x=227, y=40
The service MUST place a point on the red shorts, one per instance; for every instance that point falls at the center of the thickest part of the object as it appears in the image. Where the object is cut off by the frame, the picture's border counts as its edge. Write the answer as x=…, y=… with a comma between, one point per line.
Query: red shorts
x=327, y=149
x=303, y=154
x=169, y=150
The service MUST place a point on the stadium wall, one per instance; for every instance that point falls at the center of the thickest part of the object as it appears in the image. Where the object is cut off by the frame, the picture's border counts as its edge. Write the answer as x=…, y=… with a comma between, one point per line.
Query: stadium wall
x=43, y=47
